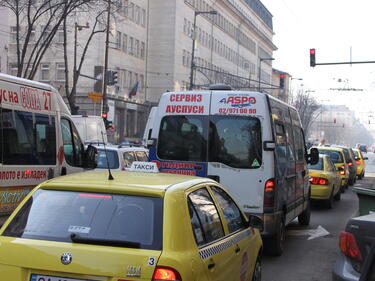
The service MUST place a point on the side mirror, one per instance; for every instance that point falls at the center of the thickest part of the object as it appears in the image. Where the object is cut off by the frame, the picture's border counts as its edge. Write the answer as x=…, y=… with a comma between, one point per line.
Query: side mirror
x=365, y=158
x=150, y=143
x=313, y=156
x=357, y=158
x=90, y=157
x=256, y=222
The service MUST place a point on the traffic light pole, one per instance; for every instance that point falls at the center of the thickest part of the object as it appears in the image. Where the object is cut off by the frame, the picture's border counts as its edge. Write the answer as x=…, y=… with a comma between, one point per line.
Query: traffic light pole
x=349, y=62
x=105, y=76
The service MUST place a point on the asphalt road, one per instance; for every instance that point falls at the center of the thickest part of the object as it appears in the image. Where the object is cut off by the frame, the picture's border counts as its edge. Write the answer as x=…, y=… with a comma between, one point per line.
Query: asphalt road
x=313, y=260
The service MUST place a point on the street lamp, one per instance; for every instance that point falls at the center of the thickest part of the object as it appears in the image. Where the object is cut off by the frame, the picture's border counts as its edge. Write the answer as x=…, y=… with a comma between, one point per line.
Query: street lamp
x=192, y=66
x=259, y=70
x=290, y=93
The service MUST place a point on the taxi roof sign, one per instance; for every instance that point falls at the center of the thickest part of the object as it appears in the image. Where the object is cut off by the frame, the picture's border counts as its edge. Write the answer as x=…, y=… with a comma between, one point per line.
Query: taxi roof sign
x=145, y=167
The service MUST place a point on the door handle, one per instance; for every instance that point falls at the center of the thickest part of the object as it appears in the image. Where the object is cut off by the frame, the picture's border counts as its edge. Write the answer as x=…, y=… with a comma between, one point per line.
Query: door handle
x=211, y=265
x=237, y=250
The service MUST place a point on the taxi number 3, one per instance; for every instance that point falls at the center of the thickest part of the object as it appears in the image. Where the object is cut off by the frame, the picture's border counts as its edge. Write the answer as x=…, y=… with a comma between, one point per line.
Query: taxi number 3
x=151, y=261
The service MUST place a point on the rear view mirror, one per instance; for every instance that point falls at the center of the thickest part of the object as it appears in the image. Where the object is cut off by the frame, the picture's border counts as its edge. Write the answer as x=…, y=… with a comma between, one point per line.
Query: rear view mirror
x=256, y=222
x=313, y=156
x=90, y=157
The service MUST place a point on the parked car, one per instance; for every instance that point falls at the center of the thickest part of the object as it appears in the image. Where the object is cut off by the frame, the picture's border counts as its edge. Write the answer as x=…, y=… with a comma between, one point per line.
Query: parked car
x=356, y=244
x=361, y=164
x=337, y=157
x=136, y=226
x=325, y=181
x=119, y=157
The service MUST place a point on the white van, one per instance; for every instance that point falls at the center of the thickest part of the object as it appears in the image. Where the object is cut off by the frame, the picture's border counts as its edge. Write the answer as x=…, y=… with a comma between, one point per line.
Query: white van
x=38, y=139
x=91, y=128
x=250, y=142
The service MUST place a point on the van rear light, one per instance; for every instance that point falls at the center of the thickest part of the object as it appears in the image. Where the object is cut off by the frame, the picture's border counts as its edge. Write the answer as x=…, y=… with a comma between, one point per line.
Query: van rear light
x=166, y=273
x=269, y=193
x=318, y=181
x=349, y=247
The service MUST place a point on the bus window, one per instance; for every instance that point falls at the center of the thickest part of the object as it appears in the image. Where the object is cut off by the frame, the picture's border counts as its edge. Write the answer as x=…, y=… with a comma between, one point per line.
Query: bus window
x=28, y=139
x=183, y=138
x=235, y=141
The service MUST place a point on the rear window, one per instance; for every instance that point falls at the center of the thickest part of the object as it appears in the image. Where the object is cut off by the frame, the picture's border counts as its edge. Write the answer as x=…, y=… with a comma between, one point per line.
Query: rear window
x=56, y=215
x=317, y=166
x=335, y=156
x=112, y=161
x=356, y=153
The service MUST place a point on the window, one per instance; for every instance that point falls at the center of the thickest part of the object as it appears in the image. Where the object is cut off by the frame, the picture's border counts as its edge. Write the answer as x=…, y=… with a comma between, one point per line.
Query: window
x=118, y=40
x=13, y=69
x=205, y=218
x=54, y=215
x=142, y=50
x=137, y=14
x=60, y=35
x=183, y=138
x=125, y=43
x=46, y=30
x=129, y=158
x=13, y=34
x=126, y=8
x=28, y=138
x=236, y=141
x=317, y=166
x=44, y=72
x=335, y=156
x=60, y=72
x=131, y=45
x=32, y=35
x=141, y=156
x=73, y=148
x=232, y=213
x=141, y=82
x=108, y=158
x=137, y=48
x=143, y=17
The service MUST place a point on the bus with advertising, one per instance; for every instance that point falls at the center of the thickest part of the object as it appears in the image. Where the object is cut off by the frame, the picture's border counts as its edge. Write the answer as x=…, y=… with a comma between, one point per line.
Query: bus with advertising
x=38, y=140
x=250, y=142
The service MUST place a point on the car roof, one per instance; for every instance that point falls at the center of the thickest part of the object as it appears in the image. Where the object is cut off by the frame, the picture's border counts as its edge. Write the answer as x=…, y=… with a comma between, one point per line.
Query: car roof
x=333, y=148
x=124, y=182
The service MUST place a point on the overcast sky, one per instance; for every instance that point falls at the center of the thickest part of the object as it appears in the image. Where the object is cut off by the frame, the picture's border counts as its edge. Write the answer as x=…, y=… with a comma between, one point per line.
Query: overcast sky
x=332, y=27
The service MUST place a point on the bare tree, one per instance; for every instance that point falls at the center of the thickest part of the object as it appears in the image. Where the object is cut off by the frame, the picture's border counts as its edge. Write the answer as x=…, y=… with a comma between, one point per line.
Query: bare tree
x=29, y=14
x=306, y=105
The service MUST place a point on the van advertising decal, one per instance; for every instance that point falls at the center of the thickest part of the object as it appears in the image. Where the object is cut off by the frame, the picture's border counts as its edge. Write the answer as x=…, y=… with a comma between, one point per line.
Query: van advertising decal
x=234, y=103
x=185, y=103
x=27, y=98
x=11, y=197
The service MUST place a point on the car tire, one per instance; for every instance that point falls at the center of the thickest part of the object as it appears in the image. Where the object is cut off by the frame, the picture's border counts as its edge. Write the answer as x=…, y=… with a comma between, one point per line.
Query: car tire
x=257, y=274
x=275, y=245
x=337, y=197
x=342, y=188
x=304, y=217
x=329, y=201
x=350, y=182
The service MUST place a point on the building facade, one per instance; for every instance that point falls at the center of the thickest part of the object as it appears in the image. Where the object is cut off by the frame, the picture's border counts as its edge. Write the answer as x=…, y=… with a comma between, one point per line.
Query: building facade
x=150, y=48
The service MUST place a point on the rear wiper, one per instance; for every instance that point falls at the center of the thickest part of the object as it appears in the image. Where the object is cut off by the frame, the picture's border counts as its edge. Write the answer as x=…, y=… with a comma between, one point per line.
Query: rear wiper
x=104, y=242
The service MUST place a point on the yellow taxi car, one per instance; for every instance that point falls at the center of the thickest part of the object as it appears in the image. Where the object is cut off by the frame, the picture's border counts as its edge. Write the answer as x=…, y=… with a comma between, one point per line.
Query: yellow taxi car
x=325, y=181
x=361, y=165
x=336, y=155
x=138, y=226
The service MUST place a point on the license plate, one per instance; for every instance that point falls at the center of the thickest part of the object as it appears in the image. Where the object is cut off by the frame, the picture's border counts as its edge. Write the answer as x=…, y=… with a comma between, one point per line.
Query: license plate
x=37, y=277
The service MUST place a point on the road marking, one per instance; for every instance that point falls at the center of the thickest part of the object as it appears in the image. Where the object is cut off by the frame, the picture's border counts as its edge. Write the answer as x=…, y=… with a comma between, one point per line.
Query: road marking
x=312, y=233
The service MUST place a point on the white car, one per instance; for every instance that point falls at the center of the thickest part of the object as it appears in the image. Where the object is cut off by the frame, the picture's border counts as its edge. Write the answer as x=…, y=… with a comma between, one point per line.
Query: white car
x=119, y=157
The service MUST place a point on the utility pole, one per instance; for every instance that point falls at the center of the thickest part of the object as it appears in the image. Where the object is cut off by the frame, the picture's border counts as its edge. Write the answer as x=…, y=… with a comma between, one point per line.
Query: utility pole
x=105, y=75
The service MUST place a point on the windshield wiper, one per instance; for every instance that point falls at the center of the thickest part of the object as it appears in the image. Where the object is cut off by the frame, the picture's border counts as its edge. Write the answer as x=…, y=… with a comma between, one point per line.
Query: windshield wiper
x=104, y=242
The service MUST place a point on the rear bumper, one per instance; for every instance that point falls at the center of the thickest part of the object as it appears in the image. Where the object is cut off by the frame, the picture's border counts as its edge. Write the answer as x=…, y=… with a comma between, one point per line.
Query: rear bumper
x=320, y=192
x=270, y=222
x=343, y=270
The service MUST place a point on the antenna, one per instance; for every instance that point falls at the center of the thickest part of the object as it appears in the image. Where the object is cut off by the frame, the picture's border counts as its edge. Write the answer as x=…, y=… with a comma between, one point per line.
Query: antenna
x=110, y=177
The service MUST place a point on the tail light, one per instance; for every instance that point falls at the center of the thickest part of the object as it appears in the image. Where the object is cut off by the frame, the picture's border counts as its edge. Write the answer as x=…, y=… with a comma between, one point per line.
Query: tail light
x=358, y=162
x=349, y=247
x=269, y=193
x=166, y=273
x=342, y=172
x=318, y=181
x=350, y=164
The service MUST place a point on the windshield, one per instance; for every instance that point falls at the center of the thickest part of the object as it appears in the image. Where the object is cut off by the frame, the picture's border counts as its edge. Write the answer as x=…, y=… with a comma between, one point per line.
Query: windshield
x=232, y=140
x=56, y=215
x=317, y=166
x=335, y=156
x=112, y=159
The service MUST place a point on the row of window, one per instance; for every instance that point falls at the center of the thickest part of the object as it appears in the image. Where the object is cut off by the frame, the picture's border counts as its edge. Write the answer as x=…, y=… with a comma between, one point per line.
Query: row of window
x=127, y=79
x=45, y=31
x=225, y=24
x=217, y=46
x=132, y=11
x=46, y=71
x=130, y=45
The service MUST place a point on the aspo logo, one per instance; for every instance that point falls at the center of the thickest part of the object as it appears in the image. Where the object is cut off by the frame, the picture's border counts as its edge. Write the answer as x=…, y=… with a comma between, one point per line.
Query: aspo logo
x=66, y=258
x=239, y=101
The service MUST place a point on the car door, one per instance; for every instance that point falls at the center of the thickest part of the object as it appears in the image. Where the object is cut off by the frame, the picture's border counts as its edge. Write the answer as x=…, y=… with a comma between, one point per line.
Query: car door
x=216, y=250
x=246, y=251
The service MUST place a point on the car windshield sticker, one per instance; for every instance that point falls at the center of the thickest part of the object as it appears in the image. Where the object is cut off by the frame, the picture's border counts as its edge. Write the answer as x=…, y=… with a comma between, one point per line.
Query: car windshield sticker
x=255, y=163
x=79, y=229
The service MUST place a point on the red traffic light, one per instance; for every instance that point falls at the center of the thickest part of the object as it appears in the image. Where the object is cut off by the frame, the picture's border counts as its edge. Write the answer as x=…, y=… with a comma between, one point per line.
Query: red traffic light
x=312, y=51
x=104, y=115
x=282, y=76
x=312, y=57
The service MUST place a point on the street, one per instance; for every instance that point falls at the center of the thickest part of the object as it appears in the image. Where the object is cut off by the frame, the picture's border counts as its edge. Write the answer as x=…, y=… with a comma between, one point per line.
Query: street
x=312, y=260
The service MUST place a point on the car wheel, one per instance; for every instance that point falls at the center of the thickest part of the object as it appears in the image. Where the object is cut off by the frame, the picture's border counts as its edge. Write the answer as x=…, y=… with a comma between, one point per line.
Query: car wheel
x=342, y=188
x=276, y=243
x=337, y=197
x=329, y=201
x=351, y=181
x=257, y=274
x=304, y=217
